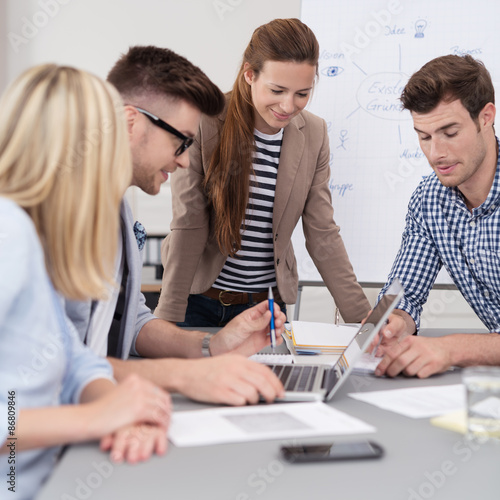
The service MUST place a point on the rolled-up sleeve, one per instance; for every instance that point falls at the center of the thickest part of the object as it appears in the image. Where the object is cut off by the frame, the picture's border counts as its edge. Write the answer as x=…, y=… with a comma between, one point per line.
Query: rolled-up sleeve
x=83, y=367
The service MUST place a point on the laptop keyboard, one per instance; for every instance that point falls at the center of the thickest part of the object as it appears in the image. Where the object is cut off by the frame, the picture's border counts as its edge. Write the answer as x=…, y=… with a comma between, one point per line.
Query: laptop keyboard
x=296, y=378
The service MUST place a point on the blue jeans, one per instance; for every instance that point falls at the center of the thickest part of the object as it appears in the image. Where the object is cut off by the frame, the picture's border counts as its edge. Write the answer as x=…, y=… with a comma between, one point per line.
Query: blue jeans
x=203, y=311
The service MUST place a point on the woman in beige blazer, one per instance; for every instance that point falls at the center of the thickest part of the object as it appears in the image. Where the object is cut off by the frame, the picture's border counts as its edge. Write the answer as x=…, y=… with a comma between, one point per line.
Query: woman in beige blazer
x=208, y=268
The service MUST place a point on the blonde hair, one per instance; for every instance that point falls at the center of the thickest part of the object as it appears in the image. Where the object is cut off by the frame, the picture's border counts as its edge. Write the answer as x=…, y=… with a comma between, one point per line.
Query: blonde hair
x=65, y=158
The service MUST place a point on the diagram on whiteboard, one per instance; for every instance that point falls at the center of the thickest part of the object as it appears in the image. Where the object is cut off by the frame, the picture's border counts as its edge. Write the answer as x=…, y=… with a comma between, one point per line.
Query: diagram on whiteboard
x=367, y=55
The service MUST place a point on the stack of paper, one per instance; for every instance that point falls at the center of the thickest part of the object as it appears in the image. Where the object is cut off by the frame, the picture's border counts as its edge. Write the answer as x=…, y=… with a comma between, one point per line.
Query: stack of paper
x=288, y=330
x=321, y=338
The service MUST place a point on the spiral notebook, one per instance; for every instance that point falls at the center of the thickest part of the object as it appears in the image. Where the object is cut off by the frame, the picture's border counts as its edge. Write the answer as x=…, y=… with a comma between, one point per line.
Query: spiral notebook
x=280, y=354
x=273, y=358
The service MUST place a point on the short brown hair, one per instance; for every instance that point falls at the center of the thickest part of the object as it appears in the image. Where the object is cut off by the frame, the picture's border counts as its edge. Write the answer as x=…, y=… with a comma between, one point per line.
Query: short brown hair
x=449, y=78
x=152, y=70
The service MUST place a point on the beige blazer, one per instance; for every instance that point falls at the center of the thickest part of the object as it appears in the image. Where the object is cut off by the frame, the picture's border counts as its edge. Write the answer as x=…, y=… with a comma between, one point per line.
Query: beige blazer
x=191, y=257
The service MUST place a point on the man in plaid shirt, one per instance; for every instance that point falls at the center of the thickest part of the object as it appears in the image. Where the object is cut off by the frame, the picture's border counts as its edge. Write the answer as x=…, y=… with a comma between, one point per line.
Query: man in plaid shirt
x=453, y=217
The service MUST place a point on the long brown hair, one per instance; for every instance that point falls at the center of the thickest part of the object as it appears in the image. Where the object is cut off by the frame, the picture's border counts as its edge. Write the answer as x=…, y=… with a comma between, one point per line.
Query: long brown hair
x=227, y=179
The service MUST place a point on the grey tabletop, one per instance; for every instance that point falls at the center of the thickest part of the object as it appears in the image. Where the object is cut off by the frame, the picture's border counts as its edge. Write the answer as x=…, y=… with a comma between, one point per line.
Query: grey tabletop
x=420, y=462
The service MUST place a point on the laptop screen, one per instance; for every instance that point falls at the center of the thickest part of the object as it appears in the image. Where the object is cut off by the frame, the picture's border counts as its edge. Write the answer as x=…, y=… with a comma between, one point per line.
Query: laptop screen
x=366, y=333
x=379, y=315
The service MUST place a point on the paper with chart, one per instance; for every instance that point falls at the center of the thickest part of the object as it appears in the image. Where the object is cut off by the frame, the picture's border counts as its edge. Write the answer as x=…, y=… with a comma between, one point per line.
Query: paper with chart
x=254, y=423
x=367, y=54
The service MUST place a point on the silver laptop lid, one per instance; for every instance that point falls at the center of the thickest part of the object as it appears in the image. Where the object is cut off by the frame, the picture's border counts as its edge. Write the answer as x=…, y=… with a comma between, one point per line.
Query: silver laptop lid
x=364, y=337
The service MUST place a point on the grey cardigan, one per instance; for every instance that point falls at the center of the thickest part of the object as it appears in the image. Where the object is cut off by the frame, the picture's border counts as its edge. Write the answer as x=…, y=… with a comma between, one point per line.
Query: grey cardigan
x=137, y=314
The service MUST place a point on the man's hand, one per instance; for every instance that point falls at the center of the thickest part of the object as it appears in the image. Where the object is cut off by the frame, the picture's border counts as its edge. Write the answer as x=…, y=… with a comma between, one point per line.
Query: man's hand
x=399, y=325
x=229, y=379
x=248, y=333
x=416, y=356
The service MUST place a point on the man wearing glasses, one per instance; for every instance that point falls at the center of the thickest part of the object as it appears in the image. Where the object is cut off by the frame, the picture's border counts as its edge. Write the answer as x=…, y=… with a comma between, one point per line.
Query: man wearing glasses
x=164, y=96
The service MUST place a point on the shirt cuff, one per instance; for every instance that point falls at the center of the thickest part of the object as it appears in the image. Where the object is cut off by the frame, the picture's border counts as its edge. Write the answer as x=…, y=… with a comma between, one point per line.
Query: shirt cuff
x=138, y=328
x=406, y=306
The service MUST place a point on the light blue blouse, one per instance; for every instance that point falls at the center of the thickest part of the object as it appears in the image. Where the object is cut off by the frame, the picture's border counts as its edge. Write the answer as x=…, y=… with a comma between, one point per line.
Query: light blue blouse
x=42, y=361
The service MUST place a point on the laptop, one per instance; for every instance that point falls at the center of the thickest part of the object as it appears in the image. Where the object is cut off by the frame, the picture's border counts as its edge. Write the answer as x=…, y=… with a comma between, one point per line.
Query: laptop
x=320, y=382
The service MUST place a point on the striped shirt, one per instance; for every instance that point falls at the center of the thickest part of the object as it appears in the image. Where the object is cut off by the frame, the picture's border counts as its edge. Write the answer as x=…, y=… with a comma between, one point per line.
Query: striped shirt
x=252, y=268
x=440, y=230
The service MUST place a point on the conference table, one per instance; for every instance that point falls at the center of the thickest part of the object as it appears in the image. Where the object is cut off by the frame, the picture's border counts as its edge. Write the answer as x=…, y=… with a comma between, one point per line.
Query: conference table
x=421, y=461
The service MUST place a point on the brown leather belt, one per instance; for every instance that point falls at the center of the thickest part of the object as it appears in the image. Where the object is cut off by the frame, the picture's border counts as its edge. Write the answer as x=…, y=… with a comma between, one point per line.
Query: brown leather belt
x=230, y=298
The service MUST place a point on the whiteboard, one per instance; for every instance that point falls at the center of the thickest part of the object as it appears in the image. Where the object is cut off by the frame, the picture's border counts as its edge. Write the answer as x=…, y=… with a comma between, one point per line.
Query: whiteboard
x=368, y=50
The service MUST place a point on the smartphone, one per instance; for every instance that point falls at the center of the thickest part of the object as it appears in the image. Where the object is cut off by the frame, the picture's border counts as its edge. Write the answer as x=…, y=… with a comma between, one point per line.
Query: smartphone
x=341, y=450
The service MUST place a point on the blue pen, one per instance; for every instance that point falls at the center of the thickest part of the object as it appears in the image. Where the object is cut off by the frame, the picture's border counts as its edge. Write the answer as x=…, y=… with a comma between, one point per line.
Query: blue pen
x=270, y=300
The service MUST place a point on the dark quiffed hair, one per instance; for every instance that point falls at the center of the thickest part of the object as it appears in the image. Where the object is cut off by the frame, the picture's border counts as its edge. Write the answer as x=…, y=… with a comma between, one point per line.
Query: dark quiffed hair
x=153, y=70
x=449, y=78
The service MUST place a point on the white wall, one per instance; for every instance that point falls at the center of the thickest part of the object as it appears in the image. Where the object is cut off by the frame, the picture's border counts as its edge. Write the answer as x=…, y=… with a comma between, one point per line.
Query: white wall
x=91, y=34
x=3, y=45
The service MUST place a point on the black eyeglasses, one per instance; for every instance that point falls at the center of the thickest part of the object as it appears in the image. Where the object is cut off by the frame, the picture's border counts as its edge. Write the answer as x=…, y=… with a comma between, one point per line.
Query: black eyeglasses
x=186, y=141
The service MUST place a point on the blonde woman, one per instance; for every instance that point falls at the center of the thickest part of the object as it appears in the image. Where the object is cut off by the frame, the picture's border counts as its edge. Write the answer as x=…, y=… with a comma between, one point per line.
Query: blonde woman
x=64, y=166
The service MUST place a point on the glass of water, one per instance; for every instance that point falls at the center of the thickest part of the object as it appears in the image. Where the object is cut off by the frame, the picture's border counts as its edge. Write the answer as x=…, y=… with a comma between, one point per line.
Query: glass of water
x=483, y=402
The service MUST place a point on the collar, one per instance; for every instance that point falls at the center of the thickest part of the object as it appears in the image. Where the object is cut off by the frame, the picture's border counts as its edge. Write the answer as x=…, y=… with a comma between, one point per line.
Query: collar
x=493, y=199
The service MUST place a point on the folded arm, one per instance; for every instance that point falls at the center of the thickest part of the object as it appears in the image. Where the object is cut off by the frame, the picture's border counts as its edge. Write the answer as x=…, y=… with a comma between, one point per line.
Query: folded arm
x=106, y=411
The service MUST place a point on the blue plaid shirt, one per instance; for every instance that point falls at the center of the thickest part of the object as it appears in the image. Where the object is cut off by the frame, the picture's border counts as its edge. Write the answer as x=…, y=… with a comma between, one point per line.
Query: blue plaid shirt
x=440, y=230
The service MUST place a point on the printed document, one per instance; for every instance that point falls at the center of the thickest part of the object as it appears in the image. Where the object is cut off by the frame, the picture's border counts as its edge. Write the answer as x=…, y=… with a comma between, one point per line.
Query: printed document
x=417, y=402
x=256, y=423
